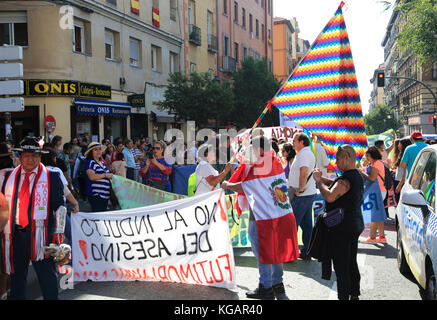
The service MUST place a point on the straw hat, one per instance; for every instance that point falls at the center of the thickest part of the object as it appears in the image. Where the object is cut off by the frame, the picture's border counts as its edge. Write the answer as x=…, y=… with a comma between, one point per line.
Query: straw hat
x=91, y=146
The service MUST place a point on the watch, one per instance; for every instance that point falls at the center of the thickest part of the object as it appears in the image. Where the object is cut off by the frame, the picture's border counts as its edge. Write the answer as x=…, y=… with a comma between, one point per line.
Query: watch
x=300, y=191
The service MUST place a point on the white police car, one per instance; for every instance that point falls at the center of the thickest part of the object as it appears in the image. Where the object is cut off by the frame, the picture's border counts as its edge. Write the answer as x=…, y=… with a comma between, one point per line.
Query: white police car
x=416, y=223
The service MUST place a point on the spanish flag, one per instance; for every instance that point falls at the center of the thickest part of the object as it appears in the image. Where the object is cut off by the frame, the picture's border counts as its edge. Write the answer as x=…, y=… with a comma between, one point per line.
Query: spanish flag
x=155, y=17
x=135, y=6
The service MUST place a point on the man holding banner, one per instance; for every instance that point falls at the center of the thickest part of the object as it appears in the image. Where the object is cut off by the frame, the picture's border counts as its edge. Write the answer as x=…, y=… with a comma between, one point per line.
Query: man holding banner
x=272, y=226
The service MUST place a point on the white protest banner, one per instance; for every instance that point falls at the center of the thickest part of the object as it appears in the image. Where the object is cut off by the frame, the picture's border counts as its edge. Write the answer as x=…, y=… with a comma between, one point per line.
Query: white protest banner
x=185, y=241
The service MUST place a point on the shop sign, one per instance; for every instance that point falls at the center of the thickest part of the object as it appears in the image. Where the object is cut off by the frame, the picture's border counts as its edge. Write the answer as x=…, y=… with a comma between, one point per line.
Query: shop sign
x=137, y=100
x=35, y=88
x=86, y=109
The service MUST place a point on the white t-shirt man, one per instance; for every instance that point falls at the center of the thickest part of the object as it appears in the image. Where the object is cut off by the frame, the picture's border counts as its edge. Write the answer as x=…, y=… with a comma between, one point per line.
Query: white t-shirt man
x=304, y=158
x=204, y=170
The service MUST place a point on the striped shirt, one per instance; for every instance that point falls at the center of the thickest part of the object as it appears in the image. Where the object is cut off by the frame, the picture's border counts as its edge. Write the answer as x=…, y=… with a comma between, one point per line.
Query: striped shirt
x=100, y=187
x=137, y=153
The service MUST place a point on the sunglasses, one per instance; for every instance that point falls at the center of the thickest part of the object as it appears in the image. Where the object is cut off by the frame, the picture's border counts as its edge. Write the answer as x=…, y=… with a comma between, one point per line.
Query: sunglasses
x=156, y=148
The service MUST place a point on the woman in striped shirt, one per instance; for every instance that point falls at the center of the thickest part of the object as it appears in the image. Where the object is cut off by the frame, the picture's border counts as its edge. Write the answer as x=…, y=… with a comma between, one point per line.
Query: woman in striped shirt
x=97, y=178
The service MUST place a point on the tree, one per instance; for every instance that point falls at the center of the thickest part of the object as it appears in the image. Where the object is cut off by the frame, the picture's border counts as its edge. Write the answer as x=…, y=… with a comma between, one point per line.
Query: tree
x=254, y=85
x=380, y=119
x=197, y=98
x=418, y=28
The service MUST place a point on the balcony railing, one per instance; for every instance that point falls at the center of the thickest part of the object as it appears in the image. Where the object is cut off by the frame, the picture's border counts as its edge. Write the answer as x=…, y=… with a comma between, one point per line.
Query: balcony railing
x=194, y=34
x=229, y=64
x=212, y=43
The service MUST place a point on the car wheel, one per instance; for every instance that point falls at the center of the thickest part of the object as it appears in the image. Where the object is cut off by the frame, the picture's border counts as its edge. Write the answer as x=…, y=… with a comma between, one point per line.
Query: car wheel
x=403, y=267
x=430, y=293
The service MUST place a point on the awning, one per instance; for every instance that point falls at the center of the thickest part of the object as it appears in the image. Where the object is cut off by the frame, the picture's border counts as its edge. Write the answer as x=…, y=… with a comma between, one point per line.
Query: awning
x=100, y=107
x=164, y=117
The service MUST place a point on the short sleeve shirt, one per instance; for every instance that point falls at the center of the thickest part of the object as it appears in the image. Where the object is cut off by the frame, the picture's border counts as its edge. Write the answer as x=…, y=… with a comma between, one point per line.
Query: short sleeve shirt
x=304, y=158
x=204, y=170
x=410, y=154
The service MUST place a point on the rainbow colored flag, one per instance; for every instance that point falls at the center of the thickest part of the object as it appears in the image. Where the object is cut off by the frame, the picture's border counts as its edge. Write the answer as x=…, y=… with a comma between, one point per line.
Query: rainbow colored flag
x=322, y=93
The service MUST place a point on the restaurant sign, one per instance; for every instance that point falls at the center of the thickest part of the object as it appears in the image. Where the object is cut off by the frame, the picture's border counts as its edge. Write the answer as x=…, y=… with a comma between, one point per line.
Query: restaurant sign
x=68, y=88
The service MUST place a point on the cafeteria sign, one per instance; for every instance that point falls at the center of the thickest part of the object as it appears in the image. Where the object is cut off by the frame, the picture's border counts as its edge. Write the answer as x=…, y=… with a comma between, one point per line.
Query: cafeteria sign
x=67, y=88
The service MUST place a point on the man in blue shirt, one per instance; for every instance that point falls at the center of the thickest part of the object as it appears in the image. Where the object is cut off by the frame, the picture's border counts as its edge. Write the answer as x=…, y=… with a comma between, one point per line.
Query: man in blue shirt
x=409, y=156
x=130, y=159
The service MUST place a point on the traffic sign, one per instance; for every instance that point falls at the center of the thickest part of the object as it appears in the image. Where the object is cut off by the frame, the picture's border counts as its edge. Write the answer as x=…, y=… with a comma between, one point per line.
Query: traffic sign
x=11, y=87
x=50, y=123
x=8, y=53
x=11, y=70
x=15, y=104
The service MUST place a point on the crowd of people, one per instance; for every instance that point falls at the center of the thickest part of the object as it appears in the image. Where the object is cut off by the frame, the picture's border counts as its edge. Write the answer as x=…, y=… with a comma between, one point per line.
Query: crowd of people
x=86, y=169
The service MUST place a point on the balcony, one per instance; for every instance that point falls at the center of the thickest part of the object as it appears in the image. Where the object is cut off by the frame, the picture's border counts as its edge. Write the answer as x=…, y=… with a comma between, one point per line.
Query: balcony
x=212, y=43
x=194, y=34
x=229, y=64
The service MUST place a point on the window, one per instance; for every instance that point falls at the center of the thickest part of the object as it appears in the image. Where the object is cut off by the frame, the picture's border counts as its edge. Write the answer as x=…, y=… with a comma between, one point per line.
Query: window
x=225, y=7
x=262, y=32
x=226, y=45
x=257, y=28
x=79, y=37
x=244, y=52
x=13, y=28
x=427, y=184
x=243, y=17
x=155, y=4
x=236, y=51
x=156, y=59
x=109, y=44
x=257, y=56
x=134, y=52
x=235, y=12
x=192, y=67
x=173, y=10
x=174, y=62
x=269, y=6
x=250, y=24
x=113, y=2
x=263, y=3
x=417, y=171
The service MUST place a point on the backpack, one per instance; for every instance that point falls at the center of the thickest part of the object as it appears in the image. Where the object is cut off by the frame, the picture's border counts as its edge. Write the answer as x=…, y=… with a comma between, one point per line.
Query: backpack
x=192, y=184
x=81, y=168
x=388, y=181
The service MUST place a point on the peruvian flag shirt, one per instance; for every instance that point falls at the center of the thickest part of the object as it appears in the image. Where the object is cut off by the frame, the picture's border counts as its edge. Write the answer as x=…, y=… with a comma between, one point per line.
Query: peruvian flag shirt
x=265, y=188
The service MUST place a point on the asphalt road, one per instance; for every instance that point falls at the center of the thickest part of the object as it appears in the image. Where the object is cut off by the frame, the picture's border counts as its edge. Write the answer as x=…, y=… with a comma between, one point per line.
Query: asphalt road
x=380, y=280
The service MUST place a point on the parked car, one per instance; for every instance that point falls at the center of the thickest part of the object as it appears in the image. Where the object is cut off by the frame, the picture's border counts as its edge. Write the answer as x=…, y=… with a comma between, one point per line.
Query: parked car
x=416, y=223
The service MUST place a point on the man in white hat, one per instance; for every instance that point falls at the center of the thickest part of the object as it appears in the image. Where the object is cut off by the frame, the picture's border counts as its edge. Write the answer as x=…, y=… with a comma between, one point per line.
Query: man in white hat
x=37, y=215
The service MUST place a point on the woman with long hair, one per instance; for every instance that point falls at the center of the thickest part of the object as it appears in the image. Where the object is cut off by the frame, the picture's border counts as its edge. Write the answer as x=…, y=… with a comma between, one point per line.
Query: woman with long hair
x=288, y=153
x=401, y=146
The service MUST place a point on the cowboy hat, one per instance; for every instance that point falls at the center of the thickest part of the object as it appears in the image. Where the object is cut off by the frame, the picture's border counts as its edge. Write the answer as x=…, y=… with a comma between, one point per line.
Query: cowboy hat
x=30, y=144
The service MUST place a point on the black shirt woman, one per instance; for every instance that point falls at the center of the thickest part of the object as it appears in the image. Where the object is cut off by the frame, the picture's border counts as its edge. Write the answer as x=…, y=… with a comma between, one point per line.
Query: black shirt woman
x=345, y=192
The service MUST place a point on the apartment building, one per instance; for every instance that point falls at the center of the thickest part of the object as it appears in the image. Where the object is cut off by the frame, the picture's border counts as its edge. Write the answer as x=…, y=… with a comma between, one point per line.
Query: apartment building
x=245, y=28
x=377, y=94
x=413, y=103
x=96, y=66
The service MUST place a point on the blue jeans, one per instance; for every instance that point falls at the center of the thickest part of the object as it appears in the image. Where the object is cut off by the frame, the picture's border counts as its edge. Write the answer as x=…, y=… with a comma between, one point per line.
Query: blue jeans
x=269, y=274
x=303, y=208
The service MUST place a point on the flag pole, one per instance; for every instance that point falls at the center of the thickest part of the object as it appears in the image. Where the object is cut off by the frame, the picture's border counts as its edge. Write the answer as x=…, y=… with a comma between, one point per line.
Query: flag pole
x=269, y=103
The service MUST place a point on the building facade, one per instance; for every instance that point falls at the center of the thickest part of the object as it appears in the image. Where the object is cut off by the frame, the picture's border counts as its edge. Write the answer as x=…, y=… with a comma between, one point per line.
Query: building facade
x=284, y=50
x=83, y=62
x=413, y=103
x=245, y=28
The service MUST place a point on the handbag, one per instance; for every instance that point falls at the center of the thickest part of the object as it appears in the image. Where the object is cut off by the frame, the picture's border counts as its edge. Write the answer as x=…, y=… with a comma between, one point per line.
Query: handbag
x=334, y=217
x=157, y=184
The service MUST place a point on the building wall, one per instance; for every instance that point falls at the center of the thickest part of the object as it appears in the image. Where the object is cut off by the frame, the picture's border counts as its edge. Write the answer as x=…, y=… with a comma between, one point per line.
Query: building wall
x=204, y=60
x=231, y=25
x=284, y=46
x=50, y=54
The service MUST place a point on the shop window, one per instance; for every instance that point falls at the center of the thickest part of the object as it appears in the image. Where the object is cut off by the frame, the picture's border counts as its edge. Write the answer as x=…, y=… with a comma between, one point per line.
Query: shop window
x=134, y=52
x=13, y=28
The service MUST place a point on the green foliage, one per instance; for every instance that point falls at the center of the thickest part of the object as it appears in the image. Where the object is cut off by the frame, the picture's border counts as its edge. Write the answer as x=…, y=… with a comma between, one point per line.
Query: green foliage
x=380, y=119
x=200, y=98
x=418, y=27
x=253, y=87
x=196, y=98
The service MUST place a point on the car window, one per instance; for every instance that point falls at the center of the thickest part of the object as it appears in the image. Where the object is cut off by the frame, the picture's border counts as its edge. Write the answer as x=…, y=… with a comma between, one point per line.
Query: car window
x=417, y=173
x=428, y=180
